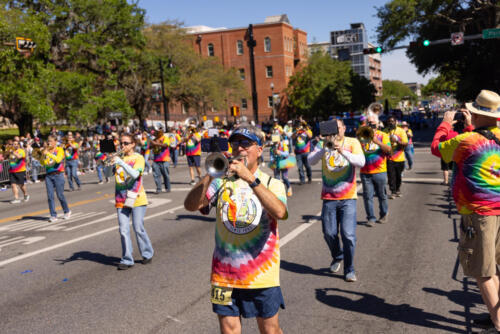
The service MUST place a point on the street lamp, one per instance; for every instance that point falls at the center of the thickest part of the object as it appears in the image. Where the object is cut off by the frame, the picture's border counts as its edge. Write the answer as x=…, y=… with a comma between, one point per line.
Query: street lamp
x=164, y=98
x=272, y=100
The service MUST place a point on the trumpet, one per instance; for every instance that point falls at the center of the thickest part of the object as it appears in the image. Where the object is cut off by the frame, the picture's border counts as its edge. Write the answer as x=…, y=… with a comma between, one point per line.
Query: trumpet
x=110, y=157
x=217, y=165
x=365, y=134
x=37, y=154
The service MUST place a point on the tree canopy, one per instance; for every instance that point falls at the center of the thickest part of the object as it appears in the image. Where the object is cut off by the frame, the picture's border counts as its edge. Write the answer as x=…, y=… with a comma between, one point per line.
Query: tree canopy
x=395, y=91
x=473, y=63
x=442, y=84
x=327, y=87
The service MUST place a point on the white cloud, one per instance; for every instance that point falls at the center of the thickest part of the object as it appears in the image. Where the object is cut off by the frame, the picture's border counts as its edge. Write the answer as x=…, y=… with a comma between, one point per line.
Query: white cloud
x=396, y=66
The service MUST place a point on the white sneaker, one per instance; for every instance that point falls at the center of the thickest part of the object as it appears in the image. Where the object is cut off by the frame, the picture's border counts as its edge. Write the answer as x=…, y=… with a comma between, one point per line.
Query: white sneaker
x=26, y=198
x=37, y=181
x=52, y=219
x=100, y=182
x=67, y=215
x=15, y=201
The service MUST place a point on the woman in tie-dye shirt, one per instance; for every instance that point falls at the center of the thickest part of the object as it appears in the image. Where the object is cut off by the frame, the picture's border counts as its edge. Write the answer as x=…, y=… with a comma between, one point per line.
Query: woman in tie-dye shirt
x=17, y=172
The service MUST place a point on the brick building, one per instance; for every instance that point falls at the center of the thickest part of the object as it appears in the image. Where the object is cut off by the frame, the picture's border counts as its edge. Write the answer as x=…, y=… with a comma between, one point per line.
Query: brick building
x=280, y=50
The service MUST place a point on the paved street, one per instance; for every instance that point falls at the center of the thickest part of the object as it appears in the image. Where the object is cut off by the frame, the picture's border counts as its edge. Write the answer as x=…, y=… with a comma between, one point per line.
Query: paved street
x=61, y=277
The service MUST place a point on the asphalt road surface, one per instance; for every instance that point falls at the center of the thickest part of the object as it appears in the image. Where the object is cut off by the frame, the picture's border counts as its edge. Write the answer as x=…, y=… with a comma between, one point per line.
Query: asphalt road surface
x=61, y=277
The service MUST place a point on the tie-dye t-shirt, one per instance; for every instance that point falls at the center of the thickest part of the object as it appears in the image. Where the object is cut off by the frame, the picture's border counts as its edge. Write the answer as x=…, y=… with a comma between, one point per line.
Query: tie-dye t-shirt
x=124, y=182
x=476, y=177
x=339, y=176
x=193, y=145
x=71, y=152
x=398, y=151
x=280, y=156
x=162, y=154
x=409, y=134
x=54, y=161
x=17, y=165
x=302, y=142
x=145, y=149
x=247, y=253
x=376, y=159
x=100, y=156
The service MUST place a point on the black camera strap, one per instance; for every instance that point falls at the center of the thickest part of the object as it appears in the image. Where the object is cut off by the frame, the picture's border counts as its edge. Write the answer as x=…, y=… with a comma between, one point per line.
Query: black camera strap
x=488, y=135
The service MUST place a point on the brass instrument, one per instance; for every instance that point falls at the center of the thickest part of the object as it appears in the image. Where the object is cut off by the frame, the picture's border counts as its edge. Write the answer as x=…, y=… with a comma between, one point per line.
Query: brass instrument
x=365, y=134
x=376, y=108
x=217, y=165
x=37, y=154
x=191, y=122
x=110, y=157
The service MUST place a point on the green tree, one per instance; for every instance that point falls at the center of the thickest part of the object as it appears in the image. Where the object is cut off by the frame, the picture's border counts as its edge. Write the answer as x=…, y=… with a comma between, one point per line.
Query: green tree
x=320, y=89
x=362, y=92
x=442, y=84
x=474, y=63
x=395, y=91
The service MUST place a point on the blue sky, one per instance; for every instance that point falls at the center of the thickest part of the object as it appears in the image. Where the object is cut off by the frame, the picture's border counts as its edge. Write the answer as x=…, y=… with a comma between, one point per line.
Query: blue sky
x=316, y=17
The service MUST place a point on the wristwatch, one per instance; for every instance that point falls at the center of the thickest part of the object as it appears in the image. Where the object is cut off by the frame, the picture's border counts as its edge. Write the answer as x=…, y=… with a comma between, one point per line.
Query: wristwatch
x=255, y=183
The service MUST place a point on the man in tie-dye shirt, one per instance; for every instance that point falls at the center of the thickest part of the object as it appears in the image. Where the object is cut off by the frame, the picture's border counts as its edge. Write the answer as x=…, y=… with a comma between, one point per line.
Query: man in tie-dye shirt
x=193, y=152
x=396, y=161
x=374, y=172
x=161, y=160
x=17, y=172
x=339, y=195
x=476, y=192
x=246, y=260
x=302, y=146
x=71, y=152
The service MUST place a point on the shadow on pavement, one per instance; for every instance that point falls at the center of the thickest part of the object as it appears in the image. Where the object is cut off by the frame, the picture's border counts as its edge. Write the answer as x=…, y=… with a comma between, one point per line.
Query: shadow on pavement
x=35, y=218
x=303, y=269
x=310, y=217
x=90, y=256
x=376, y=306
x=196, y=217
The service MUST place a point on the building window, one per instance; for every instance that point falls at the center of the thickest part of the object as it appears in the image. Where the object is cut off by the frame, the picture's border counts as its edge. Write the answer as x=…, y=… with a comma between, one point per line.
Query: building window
x=239, y=47
x=270, y=101
x=184, y=108
x=211, y=51
x=267, y=44
x=244, y=104
x=288, y=70
x=242, y=73
x=269, y=71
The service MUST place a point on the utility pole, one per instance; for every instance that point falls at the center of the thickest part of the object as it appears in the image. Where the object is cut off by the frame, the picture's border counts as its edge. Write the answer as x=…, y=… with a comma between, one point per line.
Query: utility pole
x=164, y=98
x=251, y=43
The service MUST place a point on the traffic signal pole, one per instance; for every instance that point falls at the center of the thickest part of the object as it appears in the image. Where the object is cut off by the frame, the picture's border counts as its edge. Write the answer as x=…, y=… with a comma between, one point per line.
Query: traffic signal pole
x=251, y=43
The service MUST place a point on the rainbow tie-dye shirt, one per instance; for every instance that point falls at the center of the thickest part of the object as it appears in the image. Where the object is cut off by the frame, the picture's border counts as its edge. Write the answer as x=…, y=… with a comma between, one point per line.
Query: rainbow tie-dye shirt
x=247, y=253
x=17, y=165
x=376, y=159
x=145, y=150
x=193, y=145
x=124, y=182
x=162, y=154
x=302, y=142
x=339, y=176
x=398, y=151
x=476, y=177
x=54, y=161
x=71, y=153
x=280, y=155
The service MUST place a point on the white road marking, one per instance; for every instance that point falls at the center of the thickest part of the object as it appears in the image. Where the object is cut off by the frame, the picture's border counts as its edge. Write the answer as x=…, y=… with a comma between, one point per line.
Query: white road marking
x=9, y=240
x=24, y=241
x=26, y=223
x=60, y=226
x=418, y=179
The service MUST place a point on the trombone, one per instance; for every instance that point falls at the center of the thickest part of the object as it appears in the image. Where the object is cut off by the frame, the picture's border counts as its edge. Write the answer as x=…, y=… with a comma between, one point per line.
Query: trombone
x=217, y=165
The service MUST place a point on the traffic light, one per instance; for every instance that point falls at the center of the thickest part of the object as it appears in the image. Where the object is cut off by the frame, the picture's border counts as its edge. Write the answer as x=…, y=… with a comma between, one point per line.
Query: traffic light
x=235, y=111
x=24, y=44
x=368, y=51
x=426, y=42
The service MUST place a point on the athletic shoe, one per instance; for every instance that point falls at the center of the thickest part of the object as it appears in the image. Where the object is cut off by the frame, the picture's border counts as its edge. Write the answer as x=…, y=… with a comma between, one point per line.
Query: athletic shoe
x=15, y=201
x=147, y=261
x=351, y=277
x=67, y=215
x=335, y=267
x=392, y=196
x=192, y=182
x=370, y=223
x=26, y=198
x=37, y=181
x=123, y=266
x=289, y=192
x=100, y=182
x=52, y=219
x=399, y=194
x=383, y=220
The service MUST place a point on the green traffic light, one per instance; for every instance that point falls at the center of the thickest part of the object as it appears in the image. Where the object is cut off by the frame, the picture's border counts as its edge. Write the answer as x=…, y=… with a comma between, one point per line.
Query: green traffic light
x=378, y=49
x=427, y=42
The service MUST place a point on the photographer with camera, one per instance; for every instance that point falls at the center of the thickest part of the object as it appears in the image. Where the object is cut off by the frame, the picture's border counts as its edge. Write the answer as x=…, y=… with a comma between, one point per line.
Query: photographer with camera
x=476, y=193
x=339, y=156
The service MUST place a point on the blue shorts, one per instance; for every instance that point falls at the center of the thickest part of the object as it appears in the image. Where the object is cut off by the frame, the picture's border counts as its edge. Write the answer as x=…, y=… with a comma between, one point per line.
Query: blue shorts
x=194, y=160
x=251, y=303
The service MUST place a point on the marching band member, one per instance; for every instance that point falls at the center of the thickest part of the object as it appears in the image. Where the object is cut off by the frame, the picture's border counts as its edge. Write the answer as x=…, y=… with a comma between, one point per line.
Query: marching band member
x=175, y=140
x=340, y=156
x=100, y=157
x=281, y=160
x=409, y=151
x=53, y=161
x=71, y=151
x=130, y=199
x=374, y=172
x=193, y=152
x=396, y=161
x=17, y=172
x=146, y=151
x=302, y=146
x=161, y=158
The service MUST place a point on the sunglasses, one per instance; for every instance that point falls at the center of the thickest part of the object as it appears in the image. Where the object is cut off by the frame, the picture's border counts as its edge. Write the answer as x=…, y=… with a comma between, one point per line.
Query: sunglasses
x=126, y=143
x=244, y=143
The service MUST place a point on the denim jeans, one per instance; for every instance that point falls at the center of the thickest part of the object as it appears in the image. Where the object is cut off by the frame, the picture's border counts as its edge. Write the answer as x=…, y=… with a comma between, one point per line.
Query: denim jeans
x=284, y=176
x=174, y=154
x=301, y=163
x=35, y=167
x=145, y=246
x=335, y=214
x=147, y=164
x=409, y=156
x=99, y=168
x=374, y=184
x=161, y=169
x=55, y=181
x=71, y=171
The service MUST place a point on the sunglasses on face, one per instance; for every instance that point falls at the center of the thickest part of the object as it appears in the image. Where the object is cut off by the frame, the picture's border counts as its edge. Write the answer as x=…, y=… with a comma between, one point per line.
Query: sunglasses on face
x=244, y=143
x=125, y=143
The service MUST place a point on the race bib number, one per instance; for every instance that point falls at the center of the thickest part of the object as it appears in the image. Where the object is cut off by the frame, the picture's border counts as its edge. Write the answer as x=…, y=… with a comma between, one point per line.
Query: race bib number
x=221, y=295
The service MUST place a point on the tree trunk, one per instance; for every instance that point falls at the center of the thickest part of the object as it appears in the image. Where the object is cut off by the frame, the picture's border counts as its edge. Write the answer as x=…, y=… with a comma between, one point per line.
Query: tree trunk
x=24, y=123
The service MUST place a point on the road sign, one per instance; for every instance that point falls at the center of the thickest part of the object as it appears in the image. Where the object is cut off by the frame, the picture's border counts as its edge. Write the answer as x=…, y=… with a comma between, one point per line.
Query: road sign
x=457, y=38
x=117, y=114
x=491, y=33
